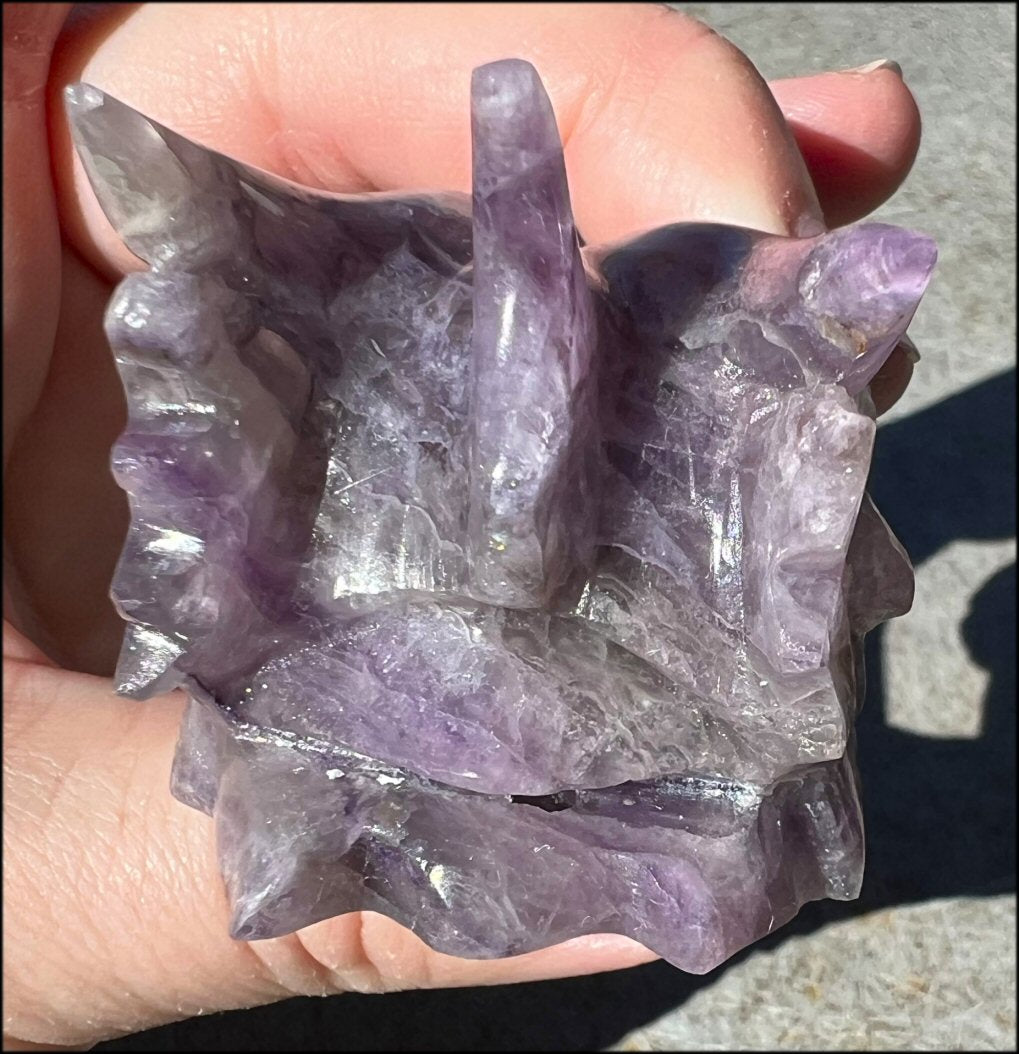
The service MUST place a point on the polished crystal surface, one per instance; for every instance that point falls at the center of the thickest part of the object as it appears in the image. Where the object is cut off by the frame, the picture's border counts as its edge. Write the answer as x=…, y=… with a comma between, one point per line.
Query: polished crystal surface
x=519, y=587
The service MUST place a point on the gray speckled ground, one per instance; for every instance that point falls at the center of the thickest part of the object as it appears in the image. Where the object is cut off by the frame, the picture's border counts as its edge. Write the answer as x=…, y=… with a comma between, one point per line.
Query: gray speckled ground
x=925, y=960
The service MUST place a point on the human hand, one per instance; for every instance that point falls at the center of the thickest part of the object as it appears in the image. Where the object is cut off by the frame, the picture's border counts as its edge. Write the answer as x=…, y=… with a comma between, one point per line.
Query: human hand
x=116, y=917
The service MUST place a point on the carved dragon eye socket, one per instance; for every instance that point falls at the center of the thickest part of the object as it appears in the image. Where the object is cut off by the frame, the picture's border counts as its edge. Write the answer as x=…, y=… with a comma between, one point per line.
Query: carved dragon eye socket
x=438, y=516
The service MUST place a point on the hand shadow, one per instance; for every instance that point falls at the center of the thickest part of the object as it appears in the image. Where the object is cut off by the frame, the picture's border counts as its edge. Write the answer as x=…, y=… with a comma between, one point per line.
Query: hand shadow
x=940, y=812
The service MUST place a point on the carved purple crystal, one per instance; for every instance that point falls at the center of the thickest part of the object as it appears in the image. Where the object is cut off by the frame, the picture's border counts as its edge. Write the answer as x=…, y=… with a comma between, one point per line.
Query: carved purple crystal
x=518, y=588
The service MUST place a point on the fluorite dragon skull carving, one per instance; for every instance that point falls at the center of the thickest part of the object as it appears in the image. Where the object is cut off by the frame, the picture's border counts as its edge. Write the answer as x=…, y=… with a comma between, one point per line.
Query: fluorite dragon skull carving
x=518, y=585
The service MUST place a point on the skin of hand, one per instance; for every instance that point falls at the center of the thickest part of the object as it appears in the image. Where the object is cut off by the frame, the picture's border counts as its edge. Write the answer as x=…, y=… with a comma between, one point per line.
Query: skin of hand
x=115, y=917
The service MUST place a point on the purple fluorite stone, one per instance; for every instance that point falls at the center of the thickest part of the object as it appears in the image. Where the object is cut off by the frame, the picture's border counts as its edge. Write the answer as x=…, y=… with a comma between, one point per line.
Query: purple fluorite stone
x=519, y=588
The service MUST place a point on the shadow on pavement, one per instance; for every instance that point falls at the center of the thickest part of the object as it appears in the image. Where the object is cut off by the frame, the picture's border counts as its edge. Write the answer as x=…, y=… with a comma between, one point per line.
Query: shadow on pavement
x=940, y=813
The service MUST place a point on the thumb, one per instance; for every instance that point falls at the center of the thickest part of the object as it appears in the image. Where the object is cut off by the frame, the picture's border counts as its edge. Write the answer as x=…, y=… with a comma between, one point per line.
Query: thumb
x=116, y=918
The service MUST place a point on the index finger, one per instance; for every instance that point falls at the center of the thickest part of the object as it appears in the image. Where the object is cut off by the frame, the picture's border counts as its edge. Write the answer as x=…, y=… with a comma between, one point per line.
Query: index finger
x=663, y=120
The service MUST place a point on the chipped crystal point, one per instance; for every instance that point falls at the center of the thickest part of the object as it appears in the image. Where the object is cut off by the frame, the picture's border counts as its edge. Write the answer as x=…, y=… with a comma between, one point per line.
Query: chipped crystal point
x=519, y=588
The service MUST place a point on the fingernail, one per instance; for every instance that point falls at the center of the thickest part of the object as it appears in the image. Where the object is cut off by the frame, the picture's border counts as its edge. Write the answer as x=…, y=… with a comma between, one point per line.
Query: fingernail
x=909, y=350
x=879, y=64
